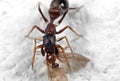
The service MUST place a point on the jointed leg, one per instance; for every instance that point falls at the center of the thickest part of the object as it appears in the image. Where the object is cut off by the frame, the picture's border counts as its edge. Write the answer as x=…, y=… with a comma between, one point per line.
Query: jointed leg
x=73, y=8
x=38, y=38
x=62, y=17
x=59, y=58
x=59, y=39
x=60, y=31
x=35, y=41
x=39, y=8
x=38, y=28
x=76, y=8
x=33, y=57
x=65, y=56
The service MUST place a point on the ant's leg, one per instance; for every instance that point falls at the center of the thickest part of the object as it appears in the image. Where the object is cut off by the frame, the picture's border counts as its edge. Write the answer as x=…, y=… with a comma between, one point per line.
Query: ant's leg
x=65, y=56
x=35, y=41
x=62, y=17
x=57, y=56
x=35, y=38
x=59, y=39
x=38, y=38
x=33, y=57
x=76, y=8
x=38, y=28
x=39, y=8
x=60, y=31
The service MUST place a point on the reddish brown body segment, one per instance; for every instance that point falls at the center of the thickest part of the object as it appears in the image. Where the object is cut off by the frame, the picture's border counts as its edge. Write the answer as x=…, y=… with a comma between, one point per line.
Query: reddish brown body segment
x=50, y=29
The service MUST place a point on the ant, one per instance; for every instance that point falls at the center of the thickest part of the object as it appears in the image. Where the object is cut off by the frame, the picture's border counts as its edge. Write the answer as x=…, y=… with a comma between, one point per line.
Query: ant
x=49, y=46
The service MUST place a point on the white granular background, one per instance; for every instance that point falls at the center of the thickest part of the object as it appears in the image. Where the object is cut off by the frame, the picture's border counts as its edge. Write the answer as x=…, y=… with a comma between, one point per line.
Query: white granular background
x=98, y=21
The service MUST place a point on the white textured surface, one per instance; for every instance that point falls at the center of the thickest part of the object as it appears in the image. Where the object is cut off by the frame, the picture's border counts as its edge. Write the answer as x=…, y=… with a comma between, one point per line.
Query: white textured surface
x=98, y=21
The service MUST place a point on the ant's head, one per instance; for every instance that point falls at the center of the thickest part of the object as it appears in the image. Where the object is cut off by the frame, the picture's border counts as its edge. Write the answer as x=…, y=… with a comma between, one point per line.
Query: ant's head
x=58, y=8
x=54, y=13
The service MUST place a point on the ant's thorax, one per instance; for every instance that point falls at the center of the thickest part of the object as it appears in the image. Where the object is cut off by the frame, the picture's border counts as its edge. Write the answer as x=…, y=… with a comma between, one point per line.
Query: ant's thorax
x=50, y=29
